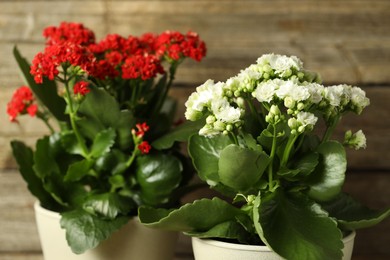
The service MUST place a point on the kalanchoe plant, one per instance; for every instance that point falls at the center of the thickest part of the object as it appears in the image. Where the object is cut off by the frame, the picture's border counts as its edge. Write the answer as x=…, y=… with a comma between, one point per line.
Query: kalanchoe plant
x=110, y=100
x=281, y=178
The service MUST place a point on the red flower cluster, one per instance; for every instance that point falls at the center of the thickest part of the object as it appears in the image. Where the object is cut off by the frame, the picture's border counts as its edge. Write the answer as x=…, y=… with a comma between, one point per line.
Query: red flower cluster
x=22, y=102
x=142, y=128
x=144, y=147
x=130, y=58
x=72, y=32
x=81, y=88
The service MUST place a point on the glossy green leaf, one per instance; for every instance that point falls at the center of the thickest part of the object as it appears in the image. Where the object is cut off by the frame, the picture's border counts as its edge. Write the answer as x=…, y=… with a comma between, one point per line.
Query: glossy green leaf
x=186, y=218
x=300, y=167
x=45, y=92
x=107, y=205
x=24, y=158
x=241, y=168
x=178, y=134
x=85, y=231
x=205, y=153
x=231, y=230
x=78, y=170
x=102, y=143
x=70, y=143
x=158, y=175
x=45, y=164
x=296, y=228
x=352, y=215
x=328, y=178
x=100, y=111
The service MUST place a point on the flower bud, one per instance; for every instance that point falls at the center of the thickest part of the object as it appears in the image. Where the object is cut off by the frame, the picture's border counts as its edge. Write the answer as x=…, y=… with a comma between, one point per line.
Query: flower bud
x=210, y=119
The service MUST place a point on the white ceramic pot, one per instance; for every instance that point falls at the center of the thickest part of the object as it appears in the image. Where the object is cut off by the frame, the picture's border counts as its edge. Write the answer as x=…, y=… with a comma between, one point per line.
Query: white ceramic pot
x=132, y=242
x=209, y=249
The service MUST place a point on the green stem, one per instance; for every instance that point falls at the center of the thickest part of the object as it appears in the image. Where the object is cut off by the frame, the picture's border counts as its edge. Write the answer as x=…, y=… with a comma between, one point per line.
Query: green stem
x=172, y=72
x=42, y=116
x=272, y=155
x=287, y=151
x=72, y=116
x=233, y=137
x=330, y=128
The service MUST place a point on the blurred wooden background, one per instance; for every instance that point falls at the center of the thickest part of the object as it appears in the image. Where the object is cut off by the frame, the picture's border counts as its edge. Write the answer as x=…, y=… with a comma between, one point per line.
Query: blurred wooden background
x=346, y=41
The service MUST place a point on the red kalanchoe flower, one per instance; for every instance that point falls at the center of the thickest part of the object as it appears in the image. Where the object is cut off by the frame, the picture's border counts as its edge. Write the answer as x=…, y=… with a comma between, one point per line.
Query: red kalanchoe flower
x=144, y=147
x=46, y=63
x=141, y=129
x=139, y=66
x=72, y=32
x=21, y=103
x=81, y=88
x=175, y=46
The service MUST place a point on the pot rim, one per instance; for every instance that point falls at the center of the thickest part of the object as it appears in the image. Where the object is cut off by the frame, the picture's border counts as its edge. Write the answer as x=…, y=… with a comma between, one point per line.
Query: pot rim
x=212, y=242
x=47, y=212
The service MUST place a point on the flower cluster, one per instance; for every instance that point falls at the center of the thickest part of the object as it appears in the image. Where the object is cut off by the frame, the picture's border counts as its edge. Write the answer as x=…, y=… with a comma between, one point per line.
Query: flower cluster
x=275, y=80
x=22, y=102
x=129, y=58
x=258, y=143
x=110, y=101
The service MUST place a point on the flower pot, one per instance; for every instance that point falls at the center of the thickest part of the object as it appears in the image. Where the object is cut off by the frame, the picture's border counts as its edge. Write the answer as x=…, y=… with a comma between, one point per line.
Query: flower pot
x=132, y=241
x=209, y=249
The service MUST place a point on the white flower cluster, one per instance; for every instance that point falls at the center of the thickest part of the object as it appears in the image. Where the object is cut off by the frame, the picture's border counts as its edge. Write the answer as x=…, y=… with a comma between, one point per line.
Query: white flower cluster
x=356, y=140
x=275, y=80
x=211, y=98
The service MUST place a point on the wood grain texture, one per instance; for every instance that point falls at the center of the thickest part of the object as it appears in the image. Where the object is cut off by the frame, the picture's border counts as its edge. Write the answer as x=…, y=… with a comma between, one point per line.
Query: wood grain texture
x=345, y=41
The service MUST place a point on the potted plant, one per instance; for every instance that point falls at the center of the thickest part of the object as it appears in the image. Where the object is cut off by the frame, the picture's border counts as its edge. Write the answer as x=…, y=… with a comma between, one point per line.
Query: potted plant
x=109, y=101
x=278, y=174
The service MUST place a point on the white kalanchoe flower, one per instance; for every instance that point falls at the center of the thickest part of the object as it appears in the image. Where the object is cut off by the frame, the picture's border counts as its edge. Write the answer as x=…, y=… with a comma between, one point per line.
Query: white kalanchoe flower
x=358, y=99
x=224, y=112
x=248, y=79
x=356, y=140
x=334, y=94
x=200, y=100
x=265, y=91
x=281, y=64
x=303, y=121
x=316, y=92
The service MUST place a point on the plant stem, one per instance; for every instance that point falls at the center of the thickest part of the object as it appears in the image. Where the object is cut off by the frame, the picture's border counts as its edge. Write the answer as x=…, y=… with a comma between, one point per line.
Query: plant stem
x=330, y=129
x=287, y=151
x=233, y=137
x=272, y=155
x=42, y=116
x=72, y=116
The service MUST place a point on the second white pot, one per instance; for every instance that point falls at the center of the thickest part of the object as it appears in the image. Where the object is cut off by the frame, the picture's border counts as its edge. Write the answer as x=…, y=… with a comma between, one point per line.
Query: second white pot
x=209, y=249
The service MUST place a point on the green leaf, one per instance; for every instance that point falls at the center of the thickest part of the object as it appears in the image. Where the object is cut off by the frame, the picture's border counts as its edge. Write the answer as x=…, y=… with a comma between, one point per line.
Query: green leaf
x=107, y=205
x=45, y=163
x=70, y=143
x=78, y=170
x=178, y=134
x=100, y=111
x=241, y=168
x=205, y=153
x=352, y=215
x=85, y=231
x=227, y=230
x=188, y=217
x=102, y=143
x=24, y=157
x=45, y=92
x=300, y=167
x=328, y=178
x=158, y=175
x=296, y=228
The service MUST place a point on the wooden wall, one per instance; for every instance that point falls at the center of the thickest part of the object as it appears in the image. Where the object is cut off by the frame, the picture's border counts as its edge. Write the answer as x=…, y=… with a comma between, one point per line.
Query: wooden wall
x=346, y=41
